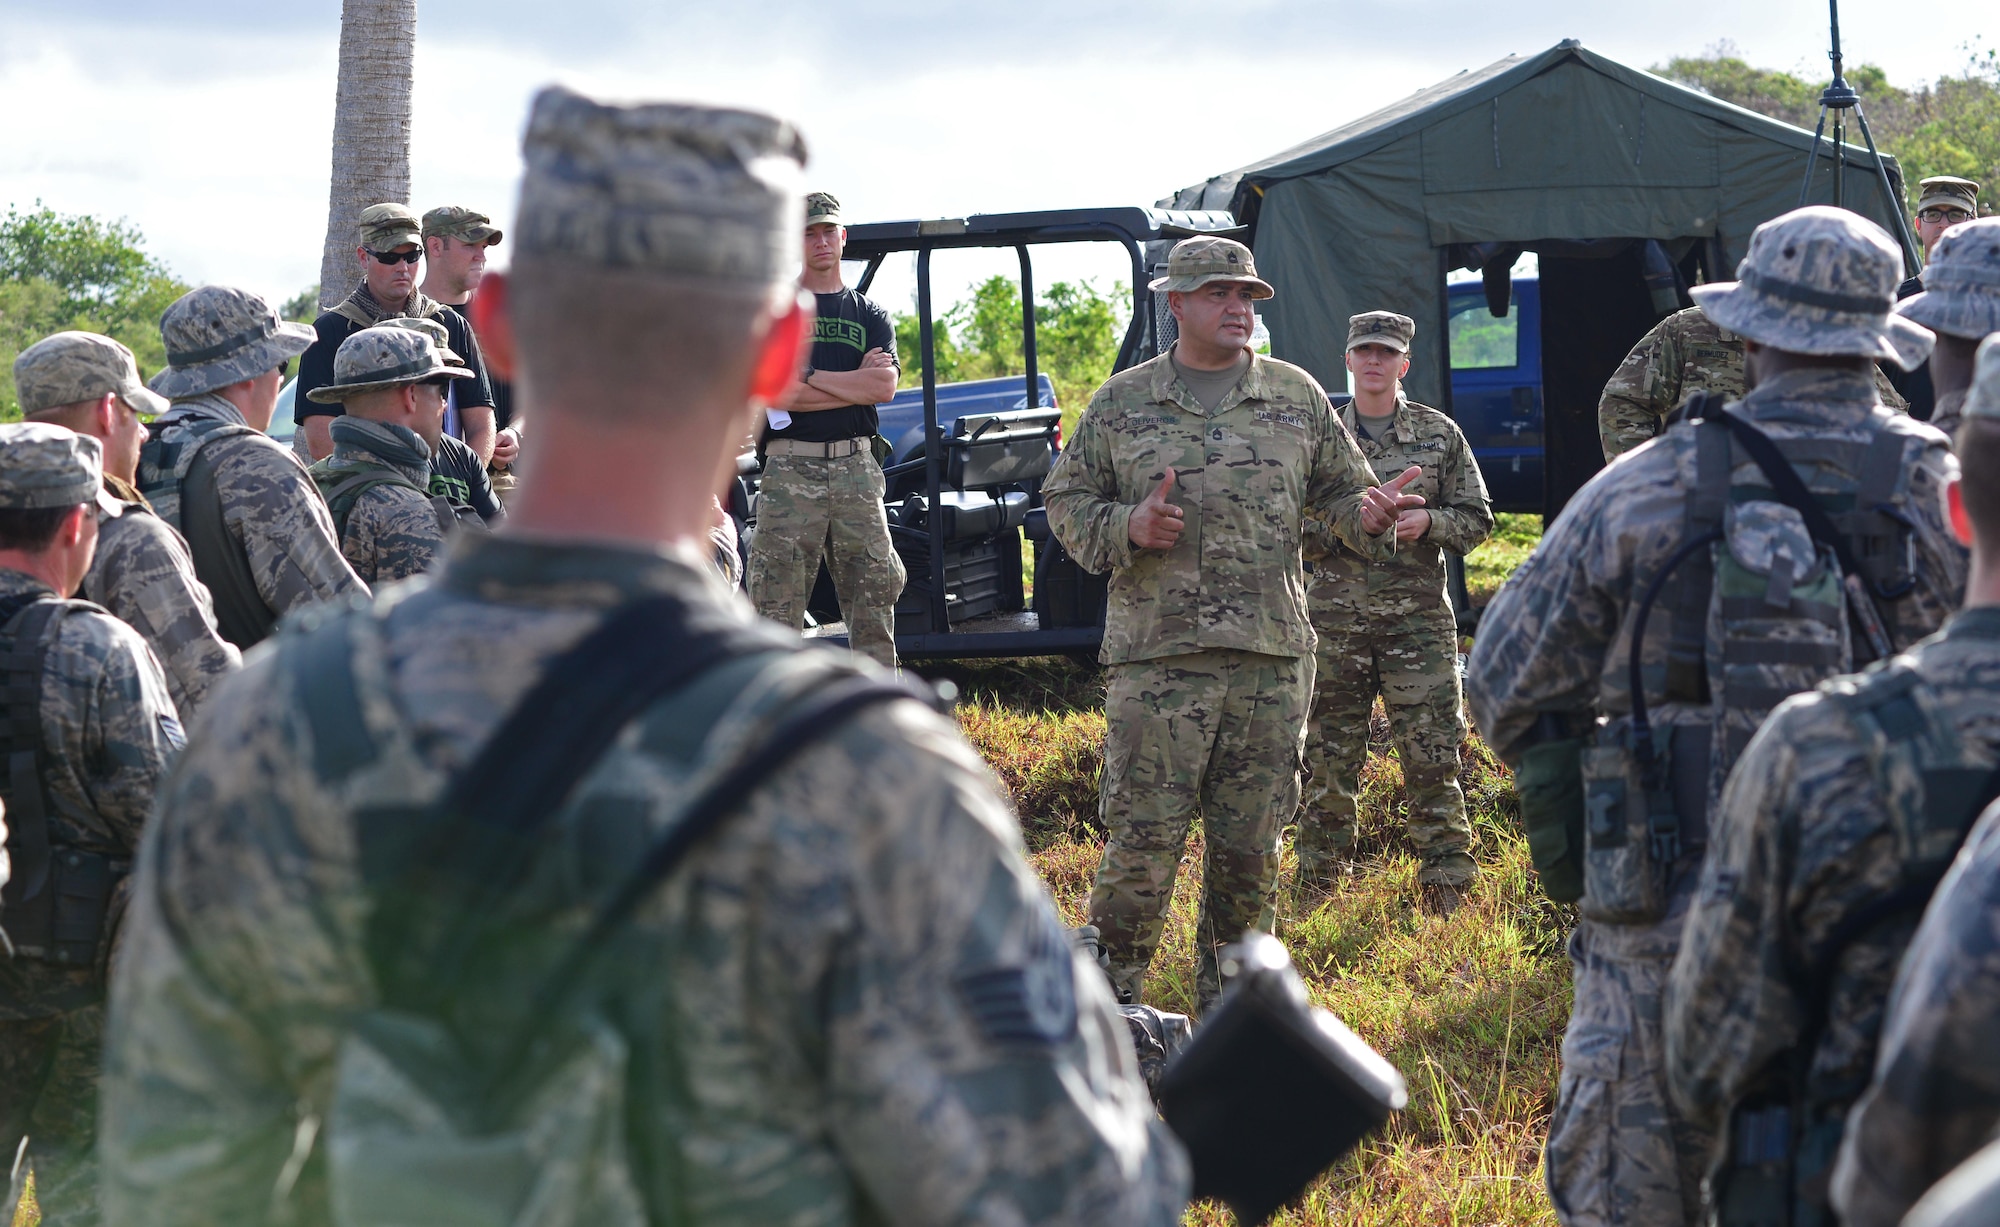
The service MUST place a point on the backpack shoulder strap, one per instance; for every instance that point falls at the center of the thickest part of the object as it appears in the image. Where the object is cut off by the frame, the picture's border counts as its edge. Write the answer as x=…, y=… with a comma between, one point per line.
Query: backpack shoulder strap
x=1687, y=647
x=343, y=487
x=219, y=558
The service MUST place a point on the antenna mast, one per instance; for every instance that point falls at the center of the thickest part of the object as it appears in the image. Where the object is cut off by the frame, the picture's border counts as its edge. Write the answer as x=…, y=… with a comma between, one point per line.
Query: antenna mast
x=1839, y=98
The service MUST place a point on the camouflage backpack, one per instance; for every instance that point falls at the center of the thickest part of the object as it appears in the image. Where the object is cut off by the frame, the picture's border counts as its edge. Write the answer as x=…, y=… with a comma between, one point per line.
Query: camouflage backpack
x=178, y=478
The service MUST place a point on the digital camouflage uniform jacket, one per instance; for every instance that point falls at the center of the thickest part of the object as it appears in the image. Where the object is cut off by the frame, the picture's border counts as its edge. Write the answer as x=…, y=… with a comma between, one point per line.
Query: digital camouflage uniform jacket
x=109, y=733
x=392, y=530
x=1801, y=844
x=821, y=1003
x=1412, y=581
x=1270, y=471
x=144, y=575
x=1935, y=1098
x=268, y=504
x=1683, y=353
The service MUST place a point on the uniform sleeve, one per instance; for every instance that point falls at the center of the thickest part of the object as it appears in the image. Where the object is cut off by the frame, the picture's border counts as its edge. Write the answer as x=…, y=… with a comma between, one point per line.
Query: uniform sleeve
x=978, y=1071
x=131, y=731
x=1888, y=391
x=477, y=391
x=271, y=505
x=144, y=574
x=1337, y=487
x=1640, y=394
x=1463, y=518
x=1082, y=497
x=316, y=367
x=1935, y=1098
x=880, y=332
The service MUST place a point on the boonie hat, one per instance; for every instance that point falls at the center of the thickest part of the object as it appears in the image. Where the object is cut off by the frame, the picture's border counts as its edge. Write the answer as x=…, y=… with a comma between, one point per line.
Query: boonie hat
x=385, y=227
x=459, y=222
x=821, y=207
x=660, y=188
x=1819, y=280
x=1948, y=190
x=440, y=338
x=1961, y=283
x=384, y=357
x=1196, y=262
x=1381, y=328
x=219, y=335
x=43, y=465
x=78, y=366
x=1983, y=399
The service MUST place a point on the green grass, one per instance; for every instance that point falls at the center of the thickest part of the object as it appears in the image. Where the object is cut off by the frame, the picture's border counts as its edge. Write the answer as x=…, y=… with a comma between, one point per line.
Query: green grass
x=1514, y=538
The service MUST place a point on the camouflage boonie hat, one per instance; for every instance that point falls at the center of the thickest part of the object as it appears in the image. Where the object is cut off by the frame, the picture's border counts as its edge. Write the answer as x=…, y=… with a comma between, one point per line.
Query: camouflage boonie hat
x=218, y=335
x=46, y=466
x=78, y=366
x=822, y=207
x=1819, y=280
x=385, y=227
x=459, y=222
x=1983, y=400
x=384, y=357
x=440, y=338
x=1950, y=191
x=663, y=188
x=1195, y=262
x=1381, y=328
x=1961, y=283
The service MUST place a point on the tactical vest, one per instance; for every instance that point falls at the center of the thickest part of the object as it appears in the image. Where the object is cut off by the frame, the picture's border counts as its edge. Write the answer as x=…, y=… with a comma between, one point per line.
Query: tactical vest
x=1773, y=589
x=342, y=483
x=54, y=905
x=178, y=479
x=1783, y=1137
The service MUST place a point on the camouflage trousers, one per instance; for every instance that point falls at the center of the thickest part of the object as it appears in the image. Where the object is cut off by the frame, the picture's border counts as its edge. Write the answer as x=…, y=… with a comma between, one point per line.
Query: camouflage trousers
x=1619, y=1153
x=1217, y=734
x=808, y=506
x=1413, y=664
x=48, y=1093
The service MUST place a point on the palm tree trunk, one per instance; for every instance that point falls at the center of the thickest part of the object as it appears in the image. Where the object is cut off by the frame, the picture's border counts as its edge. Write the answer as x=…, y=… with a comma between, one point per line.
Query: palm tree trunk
x=371, y=129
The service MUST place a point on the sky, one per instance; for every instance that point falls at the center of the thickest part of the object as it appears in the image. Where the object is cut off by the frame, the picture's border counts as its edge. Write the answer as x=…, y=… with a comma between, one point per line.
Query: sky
x=206, y=123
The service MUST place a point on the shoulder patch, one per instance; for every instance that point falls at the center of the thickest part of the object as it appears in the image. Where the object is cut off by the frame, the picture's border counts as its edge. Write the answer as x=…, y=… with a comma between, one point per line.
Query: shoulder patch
x=1032, y=1003
x=170, y=728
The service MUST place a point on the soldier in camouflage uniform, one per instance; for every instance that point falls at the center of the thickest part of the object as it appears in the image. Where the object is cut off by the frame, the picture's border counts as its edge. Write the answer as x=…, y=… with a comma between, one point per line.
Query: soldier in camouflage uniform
x=1960, y=302
x=1194, y=479
x=853, y=1002
x=84, y=702
x=1386, y=627
x=1935, y=1095
x=1684, y=353
x=1549, y=671
x=142, y=571
x=390, y=382
x=263, y=544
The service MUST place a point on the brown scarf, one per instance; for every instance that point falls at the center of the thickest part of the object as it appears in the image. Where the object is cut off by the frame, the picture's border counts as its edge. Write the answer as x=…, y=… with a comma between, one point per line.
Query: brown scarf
x=366, y=311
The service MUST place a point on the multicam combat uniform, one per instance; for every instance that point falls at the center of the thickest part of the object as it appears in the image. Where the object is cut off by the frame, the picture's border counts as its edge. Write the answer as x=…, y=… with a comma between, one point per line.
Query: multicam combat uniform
x=1209, y=643
x=1386, y=627
x=1684, y=353
x=391, y=530
x=1554, y=645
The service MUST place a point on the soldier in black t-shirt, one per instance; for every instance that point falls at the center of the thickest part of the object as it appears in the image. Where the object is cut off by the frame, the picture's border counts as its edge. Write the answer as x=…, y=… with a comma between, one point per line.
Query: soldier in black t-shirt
x=821, y=492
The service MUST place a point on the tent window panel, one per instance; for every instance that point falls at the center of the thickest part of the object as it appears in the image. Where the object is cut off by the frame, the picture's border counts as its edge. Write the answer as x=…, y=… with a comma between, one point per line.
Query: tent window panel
x=1480, y=342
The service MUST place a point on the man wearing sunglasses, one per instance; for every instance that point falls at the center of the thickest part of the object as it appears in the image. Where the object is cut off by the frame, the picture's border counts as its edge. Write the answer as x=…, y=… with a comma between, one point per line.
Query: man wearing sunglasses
x=389, y=255
x=1943, y=201
x=142, y=571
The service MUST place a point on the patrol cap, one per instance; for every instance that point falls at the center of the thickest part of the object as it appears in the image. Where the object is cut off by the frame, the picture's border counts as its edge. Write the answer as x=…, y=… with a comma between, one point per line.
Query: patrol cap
x=459, y=222
x=1819, y=280
x=1961, y=283
x=51, y=466
x=440, y=338
x=662, y=188
x=385, y=227
x=384, y=357
x=1381, y=328
x=78, y=366
x=1950, y=191
x=219, y=335
x=1983, y=399
x=1197, y=261
x=822, y=207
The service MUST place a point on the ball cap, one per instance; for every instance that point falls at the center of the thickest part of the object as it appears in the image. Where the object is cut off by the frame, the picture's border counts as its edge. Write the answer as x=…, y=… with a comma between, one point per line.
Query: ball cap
x=1950, y=191
x=1195, y=262
x=1961, y=283
x=385, y=227
x=79, y=366
x=821, y=207
x=1381, y=328
x=384, y=357
x=459, y=222
x=219, y=335
x=43, y=465
x=1819, y=280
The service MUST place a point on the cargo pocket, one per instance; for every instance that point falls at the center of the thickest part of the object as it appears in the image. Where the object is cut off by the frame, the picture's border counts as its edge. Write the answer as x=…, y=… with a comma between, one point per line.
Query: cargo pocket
x=1578, y=1159
x=1621, y=884
x=1550, y=786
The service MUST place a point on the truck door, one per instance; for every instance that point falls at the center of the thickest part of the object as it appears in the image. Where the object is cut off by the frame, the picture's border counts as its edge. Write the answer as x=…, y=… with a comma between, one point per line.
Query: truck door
x=1496, y=389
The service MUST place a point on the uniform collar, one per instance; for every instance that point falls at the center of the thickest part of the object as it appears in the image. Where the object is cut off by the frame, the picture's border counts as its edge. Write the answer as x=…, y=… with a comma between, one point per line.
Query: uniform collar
x=1167, y=388
x=513, y=570
x=1399, y=421
x=14, y=583
x=1978, y=622
x=207, y=405
x=398, y=447
x=1816, y=393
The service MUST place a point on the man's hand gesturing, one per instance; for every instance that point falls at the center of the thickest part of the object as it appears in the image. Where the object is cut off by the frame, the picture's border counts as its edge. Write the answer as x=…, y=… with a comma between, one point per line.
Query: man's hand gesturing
x=1379, y=507
x=1156, y=523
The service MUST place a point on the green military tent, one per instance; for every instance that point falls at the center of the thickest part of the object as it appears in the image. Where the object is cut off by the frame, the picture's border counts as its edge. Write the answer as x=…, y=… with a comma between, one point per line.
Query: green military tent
x=1567, y=154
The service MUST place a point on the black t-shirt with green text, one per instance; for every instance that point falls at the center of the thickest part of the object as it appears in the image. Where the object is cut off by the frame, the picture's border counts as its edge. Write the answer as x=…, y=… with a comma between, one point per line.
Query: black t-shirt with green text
x=846, y=327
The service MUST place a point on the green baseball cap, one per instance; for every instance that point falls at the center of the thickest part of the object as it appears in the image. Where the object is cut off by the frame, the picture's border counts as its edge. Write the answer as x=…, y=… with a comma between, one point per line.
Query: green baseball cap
x=1949, y=191
x=1381, y=328
x=821, y=207
x=459, y=222
x=385, y=227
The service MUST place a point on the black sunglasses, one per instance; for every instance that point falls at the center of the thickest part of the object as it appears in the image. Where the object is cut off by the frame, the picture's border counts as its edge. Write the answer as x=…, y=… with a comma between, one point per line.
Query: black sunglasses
x=398, y=257
x=284, y=367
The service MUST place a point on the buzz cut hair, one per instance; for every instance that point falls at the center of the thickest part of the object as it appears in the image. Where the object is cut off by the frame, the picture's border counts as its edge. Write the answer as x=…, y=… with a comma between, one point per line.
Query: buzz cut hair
x=1978, y=445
